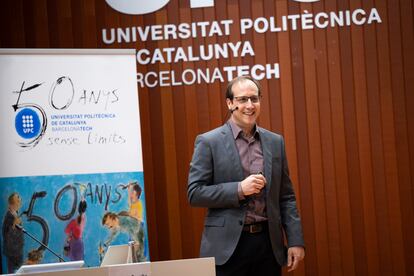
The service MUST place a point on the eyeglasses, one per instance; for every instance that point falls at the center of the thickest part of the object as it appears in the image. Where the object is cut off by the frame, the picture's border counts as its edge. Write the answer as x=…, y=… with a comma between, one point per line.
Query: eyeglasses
x=245, y=99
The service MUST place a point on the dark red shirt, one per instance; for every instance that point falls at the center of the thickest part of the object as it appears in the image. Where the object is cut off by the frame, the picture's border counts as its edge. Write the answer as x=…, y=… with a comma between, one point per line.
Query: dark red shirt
x=251, y=158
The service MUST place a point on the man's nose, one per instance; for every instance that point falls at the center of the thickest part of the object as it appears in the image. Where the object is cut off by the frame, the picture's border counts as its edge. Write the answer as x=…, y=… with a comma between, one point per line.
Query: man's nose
x=249, y=102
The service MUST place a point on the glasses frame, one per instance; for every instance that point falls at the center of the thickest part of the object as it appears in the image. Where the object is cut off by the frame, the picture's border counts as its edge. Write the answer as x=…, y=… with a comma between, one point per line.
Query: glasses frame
x=244, y=99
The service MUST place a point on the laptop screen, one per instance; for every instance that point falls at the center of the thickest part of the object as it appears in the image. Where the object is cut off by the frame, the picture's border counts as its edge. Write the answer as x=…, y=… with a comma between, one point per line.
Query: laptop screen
x=116, y=254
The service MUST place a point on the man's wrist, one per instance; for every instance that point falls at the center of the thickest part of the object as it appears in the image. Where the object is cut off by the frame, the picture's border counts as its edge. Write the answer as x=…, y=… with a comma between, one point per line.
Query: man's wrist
x=240, y=192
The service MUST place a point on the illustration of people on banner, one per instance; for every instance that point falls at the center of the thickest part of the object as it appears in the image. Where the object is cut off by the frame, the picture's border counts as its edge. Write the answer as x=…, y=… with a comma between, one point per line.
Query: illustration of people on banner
x=13, y=240
x=100, y=206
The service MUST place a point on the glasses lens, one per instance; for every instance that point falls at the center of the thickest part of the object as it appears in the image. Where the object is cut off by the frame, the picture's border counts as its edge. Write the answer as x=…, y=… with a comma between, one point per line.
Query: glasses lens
x=244, y=99
x=254, y=99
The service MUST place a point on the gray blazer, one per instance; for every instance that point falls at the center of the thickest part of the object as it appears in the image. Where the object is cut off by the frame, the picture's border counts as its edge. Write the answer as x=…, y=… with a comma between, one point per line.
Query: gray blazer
x=215, y=172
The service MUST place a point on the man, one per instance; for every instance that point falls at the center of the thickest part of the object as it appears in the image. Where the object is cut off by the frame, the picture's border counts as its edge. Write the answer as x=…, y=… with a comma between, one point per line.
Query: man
x=135, y=204
x=12, y=236
x=35, y=256
x=239, y=172
x=129, y=225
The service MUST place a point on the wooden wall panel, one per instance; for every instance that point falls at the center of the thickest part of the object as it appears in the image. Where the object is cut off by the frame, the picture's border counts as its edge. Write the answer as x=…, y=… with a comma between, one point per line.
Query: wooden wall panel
x=405, y=167
x=344, y=103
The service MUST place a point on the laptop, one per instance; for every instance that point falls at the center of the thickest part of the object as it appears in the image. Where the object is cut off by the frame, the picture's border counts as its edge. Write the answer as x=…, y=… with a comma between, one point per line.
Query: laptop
x=116, y=254
x=40, y=268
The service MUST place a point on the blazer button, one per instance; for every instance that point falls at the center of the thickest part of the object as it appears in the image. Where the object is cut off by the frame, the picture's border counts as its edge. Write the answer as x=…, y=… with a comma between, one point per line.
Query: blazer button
x=240, y=222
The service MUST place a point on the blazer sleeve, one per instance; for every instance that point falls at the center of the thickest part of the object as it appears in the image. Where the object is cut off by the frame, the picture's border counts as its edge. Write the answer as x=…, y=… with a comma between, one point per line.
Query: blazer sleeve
x=289, y=214
x=202, y=191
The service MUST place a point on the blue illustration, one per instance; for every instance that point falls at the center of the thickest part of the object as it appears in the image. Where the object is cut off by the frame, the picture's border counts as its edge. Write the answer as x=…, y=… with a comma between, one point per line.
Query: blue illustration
x=76, y=216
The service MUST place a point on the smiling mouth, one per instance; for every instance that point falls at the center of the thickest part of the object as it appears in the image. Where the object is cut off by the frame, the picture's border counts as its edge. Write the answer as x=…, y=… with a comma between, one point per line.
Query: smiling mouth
x=249, y=113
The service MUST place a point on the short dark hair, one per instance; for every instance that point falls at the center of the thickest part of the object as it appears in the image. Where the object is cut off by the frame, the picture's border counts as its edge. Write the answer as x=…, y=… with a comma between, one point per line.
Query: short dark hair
x=10, y=199
x=108, y=215
x=229, y=91
x=137, y=188
x=35, y=255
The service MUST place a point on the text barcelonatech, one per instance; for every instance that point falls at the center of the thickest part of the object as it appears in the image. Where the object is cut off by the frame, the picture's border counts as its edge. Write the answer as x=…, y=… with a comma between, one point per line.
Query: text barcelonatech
x=192, y=76
x=304, y=21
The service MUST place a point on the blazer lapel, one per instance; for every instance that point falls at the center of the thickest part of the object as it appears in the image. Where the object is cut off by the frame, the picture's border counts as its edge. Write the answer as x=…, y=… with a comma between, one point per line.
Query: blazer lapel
x=231, y=150
x=267, y=157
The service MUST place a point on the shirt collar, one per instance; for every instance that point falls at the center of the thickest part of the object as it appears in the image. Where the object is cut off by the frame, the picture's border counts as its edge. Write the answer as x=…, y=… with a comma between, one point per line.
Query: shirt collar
x=13, y=212
x=236, y=130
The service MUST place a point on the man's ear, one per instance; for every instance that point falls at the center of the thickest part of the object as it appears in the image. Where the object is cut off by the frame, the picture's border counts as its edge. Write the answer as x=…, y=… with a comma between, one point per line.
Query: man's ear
x=229, y=104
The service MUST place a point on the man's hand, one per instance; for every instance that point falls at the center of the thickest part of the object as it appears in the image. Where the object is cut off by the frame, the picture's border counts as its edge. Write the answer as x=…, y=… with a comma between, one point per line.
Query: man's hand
x=253, y=184
x=16, y=220
x=295, y=254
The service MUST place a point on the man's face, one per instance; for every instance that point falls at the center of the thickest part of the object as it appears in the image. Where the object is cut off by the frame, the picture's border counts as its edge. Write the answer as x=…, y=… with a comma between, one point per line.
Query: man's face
x=111, y=223
x=134, y=195
x=16, y=203
x=246, y=99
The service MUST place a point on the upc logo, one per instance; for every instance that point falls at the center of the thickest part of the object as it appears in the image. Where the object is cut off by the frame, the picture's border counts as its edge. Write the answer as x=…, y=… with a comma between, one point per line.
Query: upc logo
x=27, y=123
x=136, y=7
x=147, y=6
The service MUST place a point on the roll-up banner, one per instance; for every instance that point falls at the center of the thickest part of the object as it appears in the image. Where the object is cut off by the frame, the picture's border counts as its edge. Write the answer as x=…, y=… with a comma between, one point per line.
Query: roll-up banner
x=71, y=171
